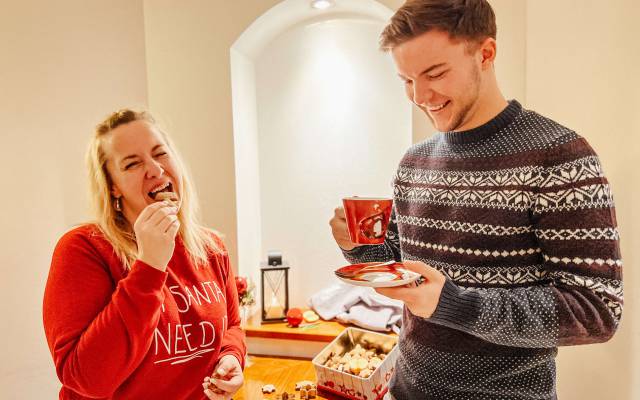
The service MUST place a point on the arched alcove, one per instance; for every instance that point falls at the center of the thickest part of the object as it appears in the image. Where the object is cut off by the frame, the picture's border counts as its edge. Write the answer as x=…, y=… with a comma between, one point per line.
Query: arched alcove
x=318, y=114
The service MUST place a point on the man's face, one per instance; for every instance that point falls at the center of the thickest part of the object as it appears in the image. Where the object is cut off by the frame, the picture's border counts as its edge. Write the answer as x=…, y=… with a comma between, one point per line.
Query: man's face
x=442, y=77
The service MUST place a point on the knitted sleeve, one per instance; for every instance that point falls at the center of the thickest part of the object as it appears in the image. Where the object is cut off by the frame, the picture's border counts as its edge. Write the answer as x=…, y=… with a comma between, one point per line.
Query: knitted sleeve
x=389, y=250
x=98, y=332
x=573, y=217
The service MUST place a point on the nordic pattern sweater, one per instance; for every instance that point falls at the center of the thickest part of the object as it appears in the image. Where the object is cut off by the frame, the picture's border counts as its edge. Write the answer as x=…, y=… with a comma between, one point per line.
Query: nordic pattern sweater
x=519, y=217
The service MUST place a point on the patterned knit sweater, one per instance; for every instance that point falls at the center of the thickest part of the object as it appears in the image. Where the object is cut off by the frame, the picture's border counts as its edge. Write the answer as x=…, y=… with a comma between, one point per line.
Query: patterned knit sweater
x=518, y=216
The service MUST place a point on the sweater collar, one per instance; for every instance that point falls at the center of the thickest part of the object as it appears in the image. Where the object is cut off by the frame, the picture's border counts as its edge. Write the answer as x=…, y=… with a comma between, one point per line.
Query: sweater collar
x=504, y=118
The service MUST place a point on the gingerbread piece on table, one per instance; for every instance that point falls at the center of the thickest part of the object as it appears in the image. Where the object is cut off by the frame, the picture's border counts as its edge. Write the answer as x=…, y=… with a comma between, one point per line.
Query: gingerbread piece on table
x=268, y=388
x=303, y=384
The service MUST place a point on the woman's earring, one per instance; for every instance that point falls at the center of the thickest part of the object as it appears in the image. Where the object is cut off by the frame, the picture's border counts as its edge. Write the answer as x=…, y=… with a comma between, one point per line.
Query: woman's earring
x=117, y=205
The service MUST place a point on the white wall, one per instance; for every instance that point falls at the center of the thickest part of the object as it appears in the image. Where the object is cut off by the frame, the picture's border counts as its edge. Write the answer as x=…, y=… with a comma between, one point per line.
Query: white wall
x=333, y=122
x=65, y=65
x=247, y=167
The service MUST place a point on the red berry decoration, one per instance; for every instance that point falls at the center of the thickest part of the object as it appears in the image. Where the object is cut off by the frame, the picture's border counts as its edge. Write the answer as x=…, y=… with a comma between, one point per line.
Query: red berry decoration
x=294, y=317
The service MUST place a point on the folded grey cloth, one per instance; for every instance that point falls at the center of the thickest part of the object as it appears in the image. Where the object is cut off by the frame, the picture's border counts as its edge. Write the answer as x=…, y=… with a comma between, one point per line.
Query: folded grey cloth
x=373, y=318
x=357, y=305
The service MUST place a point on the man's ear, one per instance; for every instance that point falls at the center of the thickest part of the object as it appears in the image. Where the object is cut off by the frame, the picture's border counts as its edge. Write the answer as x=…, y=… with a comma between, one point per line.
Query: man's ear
x=488, y=51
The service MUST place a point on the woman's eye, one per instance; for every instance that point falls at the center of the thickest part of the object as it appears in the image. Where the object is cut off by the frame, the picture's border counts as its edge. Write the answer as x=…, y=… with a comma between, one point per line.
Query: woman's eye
x=437, y=75
x=161, y=154
x=130, y=165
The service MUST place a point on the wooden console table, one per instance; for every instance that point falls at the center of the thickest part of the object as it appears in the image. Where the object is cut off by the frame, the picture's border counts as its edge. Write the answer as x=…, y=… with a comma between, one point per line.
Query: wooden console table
x=322, y=331
x=279, y=339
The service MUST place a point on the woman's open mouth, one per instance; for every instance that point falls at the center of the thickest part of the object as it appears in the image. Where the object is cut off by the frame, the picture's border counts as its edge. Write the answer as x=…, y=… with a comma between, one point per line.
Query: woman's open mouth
x=166, y=187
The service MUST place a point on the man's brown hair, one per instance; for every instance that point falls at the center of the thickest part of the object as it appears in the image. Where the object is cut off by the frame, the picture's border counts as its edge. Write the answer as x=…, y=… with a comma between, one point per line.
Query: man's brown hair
x=469, y=20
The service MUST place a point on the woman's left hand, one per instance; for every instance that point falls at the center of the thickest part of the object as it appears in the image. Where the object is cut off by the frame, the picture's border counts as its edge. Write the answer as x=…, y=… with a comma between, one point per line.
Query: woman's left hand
x=226, y=380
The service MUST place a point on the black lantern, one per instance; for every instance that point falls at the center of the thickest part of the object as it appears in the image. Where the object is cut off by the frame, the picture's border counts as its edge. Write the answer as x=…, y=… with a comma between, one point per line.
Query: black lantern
x=274, y=294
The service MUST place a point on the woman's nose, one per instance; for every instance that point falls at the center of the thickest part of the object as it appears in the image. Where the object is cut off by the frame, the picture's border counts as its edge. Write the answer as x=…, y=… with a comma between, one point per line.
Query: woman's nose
x=154, y=169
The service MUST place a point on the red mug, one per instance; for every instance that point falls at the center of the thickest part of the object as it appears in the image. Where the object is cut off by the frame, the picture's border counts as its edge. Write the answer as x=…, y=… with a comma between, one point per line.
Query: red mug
x=367, y=218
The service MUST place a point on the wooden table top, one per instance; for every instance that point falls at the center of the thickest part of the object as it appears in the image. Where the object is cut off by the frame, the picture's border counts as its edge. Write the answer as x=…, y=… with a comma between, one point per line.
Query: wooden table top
x=283, y=373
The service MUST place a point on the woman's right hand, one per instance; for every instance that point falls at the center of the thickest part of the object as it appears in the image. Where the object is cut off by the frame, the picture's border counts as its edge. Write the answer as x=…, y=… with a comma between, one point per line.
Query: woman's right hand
x=225, y=381
x=156, y=229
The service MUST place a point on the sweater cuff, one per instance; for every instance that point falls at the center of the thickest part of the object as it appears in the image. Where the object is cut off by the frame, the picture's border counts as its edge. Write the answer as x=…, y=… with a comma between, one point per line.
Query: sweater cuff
x=146, y=277
x=236, y=354
x=357, y=254
x=458, y=308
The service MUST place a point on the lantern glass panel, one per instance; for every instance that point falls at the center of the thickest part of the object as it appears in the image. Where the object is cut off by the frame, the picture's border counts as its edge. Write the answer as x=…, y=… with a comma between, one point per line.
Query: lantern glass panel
x=275, y=292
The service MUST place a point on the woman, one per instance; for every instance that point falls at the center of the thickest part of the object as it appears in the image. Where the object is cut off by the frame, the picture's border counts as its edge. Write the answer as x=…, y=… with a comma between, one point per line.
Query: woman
x=142, y=303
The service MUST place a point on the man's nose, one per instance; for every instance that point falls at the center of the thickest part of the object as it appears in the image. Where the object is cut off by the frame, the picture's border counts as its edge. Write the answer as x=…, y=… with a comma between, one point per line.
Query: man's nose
x=421, y=94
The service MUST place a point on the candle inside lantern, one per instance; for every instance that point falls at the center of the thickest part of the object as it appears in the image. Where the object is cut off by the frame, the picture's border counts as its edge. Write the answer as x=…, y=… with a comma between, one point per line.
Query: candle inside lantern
x=275, y=309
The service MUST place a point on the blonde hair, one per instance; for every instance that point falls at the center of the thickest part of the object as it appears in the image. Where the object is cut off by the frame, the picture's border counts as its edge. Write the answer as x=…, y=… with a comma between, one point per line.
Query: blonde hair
x=198, y=241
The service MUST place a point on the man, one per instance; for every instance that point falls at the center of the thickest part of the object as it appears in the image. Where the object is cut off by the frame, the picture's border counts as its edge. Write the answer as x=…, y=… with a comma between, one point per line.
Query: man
x=506, y=214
